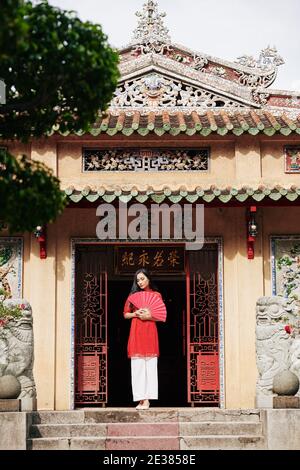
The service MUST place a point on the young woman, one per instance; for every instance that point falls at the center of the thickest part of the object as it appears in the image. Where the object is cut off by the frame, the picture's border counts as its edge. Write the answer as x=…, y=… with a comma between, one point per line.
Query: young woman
x=142, y=349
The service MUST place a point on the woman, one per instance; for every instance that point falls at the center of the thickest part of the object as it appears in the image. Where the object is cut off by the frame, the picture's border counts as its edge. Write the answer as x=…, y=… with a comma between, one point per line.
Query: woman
x=142, y=345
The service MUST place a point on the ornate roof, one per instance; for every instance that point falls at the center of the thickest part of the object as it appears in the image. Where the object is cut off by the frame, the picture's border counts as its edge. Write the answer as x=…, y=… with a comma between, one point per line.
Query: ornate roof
x=205, y=122
x=157, y=73
x=207, y=194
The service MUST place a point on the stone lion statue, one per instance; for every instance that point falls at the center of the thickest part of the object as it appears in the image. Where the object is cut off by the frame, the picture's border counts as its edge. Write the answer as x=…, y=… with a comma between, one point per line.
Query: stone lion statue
x=294, y=358
x=16, y=348
x=272, y=340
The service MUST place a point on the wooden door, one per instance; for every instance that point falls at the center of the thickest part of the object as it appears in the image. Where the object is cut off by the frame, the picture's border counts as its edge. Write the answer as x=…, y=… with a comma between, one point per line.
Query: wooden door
x=90, y=326
x=203, y=326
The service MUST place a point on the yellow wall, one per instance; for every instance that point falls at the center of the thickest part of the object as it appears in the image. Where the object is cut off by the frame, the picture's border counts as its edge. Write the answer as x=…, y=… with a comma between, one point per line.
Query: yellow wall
x=234, y=161
x=47, y=283
x=243, y=283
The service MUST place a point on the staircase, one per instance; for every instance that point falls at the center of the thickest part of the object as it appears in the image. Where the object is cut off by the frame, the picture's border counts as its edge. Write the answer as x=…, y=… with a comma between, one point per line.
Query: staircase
x=153, y=429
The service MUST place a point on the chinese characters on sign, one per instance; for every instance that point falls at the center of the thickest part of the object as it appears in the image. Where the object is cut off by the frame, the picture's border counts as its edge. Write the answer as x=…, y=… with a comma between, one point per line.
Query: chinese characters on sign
x=292, y=159
x=89, y=373
x=157, y=259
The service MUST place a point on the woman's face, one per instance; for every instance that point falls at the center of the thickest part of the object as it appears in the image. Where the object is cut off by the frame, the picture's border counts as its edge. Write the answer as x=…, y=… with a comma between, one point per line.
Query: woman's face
x=142, y=281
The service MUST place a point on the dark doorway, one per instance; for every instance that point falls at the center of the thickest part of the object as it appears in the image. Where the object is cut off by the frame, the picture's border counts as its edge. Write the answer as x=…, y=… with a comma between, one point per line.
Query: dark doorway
x=172, y=373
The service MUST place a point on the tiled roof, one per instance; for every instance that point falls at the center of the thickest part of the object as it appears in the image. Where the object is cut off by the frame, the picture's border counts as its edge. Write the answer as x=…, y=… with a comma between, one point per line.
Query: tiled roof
x=198, y=194
x=219, y=122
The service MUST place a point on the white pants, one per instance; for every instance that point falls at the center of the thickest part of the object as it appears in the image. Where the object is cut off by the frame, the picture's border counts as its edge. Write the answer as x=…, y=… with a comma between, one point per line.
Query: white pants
x=144, y=378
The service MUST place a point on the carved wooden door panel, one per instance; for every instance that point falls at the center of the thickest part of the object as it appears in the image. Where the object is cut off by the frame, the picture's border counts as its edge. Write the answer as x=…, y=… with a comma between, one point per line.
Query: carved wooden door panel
x=90, y=326
x=203, y=326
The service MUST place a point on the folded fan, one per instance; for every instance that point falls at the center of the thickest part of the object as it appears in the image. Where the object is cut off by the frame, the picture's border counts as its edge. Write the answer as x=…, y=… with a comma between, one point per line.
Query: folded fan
x=152, y=301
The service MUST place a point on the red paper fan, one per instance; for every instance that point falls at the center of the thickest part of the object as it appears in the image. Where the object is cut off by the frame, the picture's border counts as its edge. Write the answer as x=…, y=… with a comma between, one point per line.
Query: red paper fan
x=152, y=301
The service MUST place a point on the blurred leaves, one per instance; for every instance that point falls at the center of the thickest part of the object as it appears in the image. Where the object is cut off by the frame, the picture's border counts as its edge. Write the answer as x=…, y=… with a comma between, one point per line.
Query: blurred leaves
x=29, y=193
x=57, y=69
x=59, y=73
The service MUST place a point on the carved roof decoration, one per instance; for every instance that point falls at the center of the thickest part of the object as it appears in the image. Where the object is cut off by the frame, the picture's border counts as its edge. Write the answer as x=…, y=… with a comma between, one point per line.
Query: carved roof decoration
x=150, y=29
x=157, y=73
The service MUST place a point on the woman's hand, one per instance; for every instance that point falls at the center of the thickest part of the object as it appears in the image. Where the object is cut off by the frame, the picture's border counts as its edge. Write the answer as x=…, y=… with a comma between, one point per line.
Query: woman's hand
x=144, y=314
x=130, y=315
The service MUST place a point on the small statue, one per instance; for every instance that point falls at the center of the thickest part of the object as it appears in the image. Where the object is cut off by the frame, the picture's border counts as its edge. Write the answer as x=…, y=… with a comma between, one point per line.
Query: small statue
x=16, y=344
x=272, y=340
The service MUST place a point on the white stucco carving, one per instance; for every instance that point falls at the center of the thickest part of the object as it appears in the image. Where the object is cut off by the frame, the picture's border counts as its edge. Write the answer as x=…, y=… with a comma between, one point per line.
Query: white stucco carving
x=155, y=90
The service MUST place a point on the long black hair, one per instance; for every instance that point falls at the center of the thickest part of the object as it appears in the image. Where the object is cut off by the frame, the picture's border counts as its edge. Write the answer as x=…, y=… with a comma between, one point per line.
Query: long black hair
x=135, y=287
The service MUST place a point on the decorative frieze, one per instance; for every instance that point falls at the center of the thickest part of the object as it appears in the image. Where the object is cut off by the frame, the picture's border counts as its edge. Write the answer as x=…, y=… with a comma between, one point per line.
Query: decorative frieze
x=155, y=90
x=146, y=160
x=11, y=258
x=292, y=159
x=181, y=68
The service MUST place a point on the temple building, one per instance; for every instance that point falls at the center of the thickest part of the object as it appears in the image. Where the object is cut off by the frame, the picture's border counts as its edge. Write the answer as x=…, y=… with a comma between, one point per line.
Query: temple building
x=210, y=144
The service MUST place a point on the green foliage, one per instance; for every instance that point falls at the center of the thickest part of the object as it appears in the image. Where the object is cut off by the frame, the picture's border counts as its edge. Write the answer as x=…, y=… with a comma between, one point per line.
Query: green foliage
x=58, y=70
x=8, y=313
x=295, y=250
x=29, y=193
x=5, y=255
x=284, y=261
x=59, y=73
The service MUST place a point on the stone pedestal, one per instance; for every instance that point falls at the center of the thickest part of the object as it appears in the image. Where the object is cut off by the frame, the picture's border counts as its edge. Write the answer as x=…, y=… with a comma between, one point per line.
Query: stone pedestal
x=28, y=404
x=10, y=405
x=264, y=401
x=286, y=402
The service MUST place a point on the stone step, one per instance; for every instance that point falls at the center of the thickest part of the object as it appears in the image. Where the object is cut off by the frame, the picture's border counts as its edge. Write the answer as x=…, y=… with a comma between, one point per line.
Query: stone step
x=68, y=430
x=208, y=428
x=131, y=415
x=112, y=415
x=222, y=443
x=143, y=429
x=117, y=443
x=149, y=443
x=58, y=417
x=103, y=430
x=75, y=443
x=216, y=414
x=142, y=443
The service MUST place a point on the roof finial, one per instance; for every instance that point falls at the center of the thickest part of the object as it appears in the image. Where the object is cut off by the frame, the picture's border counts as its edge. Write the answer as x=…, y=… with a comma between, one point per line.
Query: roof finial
x=151, y=29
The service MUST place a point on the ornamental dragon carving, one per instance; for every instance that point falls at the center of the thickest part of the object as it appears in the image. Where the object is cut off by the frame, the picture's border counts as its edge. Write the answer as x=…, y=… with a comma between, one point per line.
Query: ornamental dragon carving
x=264, y=69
